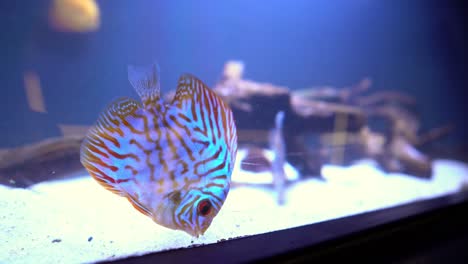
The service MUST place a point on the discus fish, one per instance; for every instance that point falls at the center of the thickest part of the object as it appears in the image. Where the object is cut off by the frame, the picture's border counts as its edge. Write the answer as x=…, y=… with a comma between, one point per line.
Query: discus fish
x=172, y=161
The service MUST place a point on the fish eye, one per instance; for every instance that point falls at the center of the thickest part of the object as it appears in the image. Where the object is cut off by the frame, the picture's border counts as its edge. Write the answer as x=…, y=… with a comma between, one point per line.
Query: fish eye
x=204, y=207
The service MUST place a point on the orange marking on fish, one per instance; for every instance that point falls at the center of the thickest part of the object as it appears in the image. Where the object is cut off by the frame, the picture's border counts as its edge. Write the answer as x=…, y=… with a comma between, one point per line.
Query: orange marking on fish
x=111, y=139
x=96, y=150
x=184, y=117
x=214, y=185
x=133, y=170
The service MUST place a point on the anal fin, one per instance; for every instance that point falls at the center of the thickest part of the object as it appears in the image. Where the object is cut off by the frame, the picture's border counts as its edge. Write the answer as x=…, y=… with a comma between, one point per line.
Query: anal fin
x=137, y=204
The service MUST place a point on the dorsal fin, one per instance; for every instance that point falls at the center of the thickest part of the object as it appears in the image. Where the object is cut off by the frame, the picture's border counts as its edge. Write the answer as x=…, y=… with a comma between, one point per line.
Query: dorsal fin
x=145, y=80
x=193, y=91
x=119, y=109
x=206, y=109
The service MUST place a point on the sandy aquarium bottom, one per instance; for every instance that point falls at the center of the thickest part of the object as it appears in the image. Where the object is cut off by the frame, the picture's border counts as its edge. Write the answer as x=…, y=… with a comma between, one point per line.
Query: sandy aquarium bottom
x=76, y=221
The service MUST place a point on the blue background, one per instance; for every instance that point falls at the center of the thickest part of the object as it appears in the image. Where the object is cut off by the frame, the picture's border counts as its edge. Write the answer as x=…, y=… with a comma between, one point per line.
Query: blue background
x=418, y=47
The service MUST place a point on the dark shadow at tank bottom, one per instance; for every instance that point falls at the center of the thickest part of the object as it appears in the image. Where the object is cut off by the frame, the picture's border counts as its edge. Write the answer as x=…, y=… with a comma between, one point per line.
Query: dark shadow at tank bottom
x=429, y=231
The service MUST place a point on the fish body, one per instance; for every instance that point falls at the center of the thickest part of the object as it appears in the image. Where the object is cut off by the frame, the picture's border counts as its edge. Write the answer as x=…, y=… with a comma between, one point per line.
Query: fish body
x=172, y=161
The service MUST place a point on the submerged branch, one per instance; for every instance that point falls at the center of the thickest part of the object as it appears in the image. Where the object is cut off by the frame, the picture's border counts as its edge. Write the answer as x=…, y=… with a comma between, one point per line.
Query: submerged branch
x=48, y=159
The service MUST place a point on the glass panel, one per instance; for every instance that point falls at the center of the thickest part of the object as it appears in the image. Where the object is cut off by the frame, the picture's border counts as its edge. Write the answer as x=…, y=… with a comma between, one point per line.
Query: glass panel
x=311, y=111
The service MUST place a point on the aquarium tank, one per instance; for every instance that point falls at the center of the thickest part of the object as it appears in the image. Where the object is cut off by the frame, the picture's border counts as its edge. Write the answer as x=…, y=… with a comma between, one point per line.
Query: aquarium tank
x=137, y=127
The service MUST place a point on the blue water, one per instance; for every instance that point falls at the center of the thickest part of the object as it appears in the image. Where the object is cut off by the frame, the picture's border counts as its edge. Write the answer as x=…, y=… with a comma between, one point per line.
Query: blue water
x=414, y=46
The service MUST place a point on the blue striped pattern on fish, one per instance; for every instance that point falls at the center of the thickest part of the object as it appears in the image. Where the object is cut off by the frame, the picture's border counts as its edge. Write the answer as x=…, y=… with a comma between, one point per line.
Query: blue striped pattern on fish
x=172, y=161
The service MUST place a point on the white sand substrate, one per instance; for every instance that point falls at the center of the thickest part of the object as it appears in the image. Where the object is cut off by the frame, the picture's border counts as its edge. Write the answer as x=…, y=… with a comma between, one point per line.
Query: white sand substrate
x=78, y=221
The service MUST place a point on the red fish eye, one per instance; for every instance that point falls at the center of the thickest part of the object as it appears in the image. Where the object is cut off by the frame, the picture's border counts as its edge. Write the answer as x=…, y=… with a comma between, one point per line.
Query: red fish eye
x=204, y=207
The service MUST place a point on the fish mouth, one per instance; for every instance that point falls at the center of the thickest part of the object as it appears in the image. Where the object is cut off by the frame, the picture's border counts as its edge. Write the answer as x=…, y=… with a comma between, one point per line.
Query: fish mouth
x=194, y=233
x=197, y=232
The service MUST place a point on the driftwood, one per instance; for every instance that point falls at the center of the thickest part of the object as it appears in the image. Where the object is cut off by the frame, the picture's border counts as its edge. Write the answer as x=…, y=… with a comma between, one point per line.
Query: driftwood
x=255, y=106
x=337, y=120
x=255, y=160
x=321, y=125
x=50, y=159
